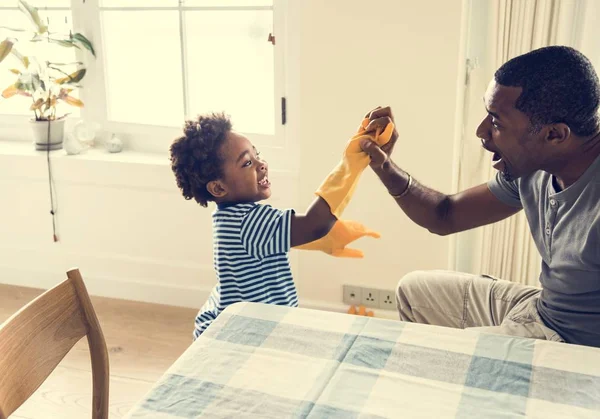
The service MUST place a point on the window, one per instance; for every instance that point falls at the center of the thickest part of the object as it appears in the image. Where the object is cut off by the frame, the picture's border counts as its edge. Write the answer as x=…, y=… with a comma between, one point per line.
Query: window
x=161, y=61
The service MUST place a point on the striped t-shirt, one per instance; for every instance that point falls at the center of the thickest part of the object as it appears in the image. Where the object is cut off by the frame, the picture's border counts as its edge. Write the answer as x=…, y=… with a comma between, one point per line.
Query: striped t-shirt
x=251, y=243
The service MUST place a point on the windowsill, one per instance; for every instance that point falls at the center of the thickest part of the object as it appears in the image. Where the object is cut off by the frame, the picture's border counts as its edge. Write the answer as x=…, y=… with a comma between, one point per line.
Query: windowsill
x=95, y=166
x=21, y=148
x=26, y=149
x=20, y=162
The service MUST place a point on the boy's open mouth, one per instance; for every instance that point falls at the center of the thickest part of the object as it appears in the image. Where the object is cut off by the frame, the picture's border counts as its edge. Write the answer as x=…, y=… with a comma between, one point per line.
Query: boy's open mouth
x=264, y=182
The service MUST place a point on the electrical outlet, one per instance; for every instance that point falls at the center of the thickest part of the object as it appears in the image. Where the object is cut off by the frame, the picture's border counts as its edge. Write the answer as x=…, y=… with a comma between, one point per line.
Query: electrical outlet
x=370, y=297
x=387, y=300
x=352, y=294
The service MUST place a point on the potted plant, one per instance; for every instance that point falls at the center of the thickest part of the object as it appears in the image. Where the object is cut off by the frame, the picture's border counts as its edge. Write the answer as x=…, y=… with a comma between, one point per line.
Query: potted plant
x=47, y=83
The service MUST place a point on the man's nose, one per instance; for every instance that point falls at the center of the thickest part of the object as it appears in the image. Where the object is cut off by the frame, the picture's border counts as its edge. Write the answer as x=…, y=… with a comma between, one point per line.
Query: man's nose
x=483, y=129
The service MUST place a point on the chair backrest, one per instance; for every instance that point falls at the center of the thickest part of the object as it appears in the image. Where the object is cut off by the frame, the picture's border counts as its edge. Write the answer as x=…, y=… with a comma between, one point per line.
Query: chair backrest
x=36, y=338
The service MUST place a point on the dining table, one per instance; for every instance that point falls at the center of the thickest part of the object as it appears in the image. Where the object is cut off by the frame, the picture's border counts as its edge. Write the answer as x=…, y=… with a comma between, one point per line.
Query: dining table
x=268, y=361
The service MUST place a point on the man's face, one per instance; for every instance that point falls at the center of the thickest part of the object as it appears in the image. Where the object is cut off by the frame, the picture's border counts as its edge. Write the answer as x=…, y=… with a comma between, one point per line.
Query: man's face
x=508, y=133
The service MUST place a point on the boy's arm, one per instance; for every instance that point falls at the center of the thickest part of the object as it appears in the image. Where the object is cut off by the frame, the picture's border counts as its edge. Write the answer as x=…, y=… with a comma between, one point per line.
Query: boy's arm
x=313, y=225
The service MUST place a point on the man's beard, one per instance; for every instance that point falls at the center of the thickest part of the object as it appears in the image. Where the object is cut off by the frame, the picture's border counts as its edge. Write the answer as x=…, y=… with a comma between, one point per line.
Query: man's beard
x=506, y=174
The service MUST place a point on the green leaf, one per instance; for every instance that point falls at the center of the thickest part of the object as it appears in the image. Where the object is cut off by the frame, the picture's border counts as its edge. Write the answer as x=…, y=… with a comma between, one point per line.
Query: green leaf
x=29, y=82
x=25, y=86
x=36, y=82
x=5, y=48
x=33, y=15
x=36, y=105
x=63, y=42
x=13, y=29
x=21, y=57
x=10, y=91
x=73, y=101
x=72, y=78
x=63, y=64
x=79, y=38
x=37, y=38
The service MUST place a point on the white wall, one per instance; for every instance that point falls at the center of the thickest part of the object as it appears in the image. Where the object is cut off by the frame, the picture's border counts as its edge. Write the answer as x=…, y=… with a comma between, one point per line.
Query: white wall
x=354, y=57
x=589, y=35
x=124, y=224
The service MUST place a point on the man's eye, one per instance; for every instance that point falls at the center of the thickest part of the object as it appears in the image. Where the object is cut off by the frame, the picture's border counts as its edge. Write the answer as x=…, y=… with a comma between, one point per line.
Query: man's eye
x=494, y=124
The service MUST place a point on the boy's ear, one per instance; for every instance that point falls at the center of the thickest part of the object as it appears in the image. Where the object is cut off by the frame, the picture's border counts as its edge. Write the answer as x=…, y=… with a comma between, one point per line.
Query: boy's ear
x=216, y=188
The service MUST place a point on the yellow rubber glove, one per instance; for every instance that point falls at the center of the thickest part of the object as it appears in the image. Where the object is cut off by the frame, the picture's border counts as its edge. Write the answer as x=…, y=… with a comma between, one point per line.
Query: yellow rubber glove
x=338, y=187
x=342, y=233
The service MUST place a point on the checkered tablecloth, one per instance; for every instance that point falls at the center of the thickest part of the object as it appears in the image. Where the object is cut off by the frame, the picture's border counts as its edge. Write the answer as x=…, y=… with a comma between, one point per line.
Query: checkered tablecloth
x=279, y=362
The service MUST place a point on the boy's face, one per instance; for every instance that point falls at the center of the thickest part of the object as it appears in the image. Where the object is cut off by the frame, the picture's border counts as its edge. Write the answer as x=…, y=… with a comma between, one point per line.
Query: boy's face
x=245, y=175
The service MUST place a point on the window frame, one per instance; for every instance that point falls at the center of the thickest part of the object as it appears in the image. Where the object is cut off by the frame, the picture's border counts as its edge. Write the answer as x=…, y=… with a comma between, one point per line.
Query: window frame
x=86, y=18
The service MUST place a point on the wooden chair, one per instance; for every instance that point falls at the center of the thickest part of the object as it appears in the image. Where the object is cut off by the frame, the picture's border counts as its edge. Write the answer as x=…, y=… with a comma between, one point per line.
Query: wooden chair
x=36, y=338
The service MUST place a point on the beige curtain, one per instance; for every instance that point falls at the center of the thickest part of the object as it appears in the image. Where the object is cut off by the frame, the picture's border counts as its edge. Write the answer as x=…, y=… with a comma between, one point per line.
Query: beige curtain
x=506, y=249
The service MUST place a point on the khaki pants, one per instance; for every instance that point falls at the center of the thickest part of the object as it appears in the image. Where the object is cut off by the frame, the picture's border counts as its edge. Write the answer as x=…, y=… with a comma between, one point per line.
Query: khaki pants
x=460, y=300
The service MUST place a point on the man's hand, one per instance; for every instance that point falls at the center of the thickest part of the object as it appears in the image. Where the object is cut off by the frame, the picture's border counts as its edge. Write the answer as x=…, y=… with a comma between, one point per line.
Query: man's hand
x=376, y=154
x=379, y=118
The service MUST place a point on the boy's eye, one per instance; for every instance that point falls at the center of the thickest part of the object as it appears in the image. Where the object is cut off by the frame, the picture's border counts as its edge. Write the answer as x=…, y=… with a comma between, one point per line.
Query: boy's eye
x=247, y=163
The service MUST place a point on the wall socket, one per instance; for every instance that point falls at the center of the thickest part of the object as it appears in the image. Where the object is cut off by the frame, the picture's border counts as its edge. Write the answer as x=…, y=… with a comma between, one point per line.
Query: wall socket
x=387, y=300
x=352, y=295
x=369, y=297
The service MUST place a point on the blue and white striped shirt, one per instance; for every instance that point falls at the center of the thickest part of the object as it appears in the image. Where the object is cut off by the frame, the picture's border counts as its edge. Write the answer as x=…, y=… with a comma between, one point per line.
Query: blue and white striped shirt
x=251, y=243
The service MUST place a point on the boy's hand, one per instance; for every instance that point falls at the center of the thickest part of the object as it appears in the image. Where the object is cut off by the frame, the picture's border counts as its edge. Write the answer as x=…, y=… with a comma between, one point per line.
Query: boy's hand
x=338, y=187
x=342, y=233
x=313, y=225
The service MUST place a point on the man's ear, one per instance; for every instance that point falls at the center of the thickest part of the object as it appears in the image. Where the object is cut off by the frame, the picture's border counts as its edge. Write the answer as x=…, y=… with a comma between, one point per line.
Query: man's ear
x=216, y=188
x=558, y=133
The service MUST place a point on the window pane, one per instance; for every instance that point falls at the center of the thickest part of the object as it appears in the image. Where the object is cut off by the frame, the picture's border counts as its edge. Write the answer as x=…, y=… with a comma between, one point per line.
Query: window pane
x=40, y=4
x=186, y=3
x=139, y=3
x=57, y=21
x=227, y=3
x=143, y=67
x=230, y=67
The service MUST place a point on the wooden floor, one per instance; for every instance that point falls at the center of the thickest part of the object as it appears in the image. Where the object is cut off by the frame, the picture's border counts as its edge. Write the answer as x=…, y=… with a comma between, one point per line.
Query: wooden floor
x=143, y=341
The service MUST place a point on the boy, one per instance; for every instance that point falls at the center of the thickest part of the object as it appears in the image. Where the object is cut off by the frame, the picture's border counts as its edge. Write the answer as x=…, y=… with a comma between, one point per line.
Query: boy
x=211, y=162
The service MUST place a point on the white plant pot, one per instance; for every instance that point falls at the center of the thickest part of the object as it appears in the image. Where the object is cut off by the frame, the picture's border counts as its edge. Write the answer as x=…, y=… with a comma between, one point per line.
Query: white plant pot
x=41, y=129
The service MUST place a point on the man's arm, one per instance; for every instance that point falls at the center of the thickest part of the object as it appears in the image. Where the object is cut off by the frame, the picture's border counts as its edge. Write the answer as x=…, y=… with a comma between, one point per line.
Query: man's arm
x=313, y=225
x=439, y=213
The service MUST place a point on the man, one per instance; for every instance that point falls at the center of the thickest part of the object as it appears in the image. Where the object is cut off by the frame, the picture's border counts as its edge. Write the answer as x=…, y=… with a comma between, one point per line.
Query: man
x=543, y=129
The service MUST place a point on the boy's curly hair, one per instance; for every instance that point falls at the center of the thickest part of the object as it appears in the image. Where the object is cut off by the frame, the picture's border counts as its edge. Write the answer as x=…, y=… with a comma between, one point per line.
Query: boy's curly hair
x=195, y=157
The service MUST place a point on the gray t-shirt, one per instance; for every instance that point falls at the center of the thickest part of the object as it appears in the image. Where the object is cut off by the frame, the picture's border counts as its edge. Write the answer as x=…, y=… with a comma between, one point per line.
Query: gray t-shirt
x=566, y=228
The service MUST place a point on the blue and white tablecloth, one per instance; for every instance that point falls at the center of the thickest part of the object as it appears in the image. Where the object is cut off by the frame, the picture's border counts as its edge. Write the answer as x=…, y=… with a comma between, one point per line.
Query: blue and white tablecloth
x=279, y=362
